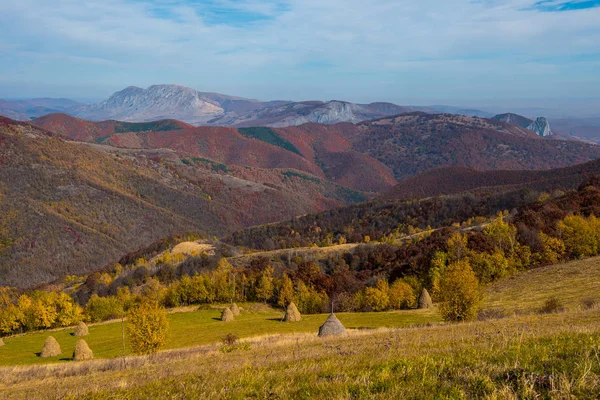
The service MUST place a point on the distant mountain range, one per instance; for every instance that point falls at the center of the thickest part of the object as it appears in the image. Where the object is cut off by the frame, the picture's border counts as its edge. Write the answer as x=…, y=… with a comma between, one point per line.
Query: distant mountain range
x=134, y=104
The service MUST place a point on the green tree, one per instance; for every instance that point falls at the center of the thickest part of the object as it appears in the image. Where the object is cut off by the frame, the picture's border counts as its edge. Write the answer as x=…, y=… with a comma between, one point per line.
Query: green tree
x=100, y=309
x=459, y=293
x=147, y=327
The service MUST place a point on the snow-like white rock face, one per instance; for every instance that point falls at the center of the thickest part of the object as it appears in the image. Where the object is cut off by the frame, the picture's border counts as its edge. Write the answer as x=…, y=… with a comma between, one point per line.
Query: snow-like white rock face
x=135, y=104
x=541, y=126
x=331, y=112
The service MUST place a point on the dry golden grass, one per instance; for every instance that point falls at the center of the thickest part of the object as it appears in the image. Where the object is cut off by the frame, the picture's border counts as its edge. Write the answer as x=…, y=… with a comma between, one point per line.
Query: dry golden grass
x=499, y=359
x=572, y=283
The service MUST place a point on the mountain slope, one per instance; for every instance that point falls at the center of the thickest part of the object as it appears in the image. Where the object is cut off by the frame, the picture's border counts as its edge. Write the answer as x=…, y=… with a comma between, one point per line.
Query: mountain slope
x=71, y=207
x=513, y=119
x=294, y=114
x=415, y=142
x=328, y=157
x=450, y=180
x=24, y=110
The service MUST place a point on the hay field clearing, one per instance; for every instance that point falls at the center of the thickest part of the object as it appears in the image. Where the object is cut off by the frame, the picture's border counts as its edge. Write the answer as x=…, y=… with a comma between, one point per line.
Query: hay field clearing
x=524, y=357
x=196, y=328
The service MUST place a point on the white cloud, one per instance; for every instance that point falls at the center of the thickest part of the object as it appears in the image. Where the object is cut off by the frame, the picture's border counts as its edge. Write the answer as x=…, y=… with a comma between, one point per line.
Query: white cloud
x=174, y=39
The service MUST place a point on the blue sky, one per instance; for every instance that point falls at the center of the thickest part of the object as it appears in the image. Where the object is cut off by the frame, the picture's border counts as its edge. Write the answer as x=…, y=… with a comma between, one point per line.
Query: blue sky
x=405, y=51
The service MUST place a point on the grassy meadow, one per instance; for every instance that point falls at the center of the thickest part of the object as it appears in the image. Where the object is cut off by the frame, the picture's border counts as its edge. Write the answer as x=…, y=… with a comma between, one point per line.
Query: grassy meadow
x=524, y=355
x=196, y=328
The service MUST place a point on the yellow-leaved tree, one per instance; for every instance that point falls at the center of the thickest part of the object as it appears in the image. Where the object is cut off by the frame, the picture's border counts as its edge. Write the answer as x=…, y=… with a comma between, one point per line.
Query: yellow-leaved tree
x=459, y=293
x=286, y=292
x=147, y=327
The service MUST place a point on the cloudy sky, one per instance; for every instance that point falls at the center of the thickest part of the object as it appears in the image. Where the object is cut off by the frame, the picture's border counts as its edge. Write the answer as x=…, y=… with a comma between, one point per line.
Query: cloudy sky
x=406, y=51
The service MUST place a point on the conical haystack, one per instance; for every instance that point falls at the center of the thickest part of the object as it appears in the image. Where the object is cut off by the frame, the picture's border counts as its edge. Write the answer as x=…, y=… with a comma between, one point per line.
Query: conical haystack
x=82, y=351
x=81, y=330
x=226, y=315
x=332, y=327
x=292, y=314
x=425, y=299
x=235, y=310
x=1, y=342
x=51, y=348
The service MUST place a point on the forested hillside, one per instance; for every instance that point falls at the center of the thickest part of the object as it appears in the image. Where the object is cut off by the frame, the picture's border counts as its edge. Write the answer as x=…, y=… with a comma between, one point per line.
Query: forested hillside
x=70, y=208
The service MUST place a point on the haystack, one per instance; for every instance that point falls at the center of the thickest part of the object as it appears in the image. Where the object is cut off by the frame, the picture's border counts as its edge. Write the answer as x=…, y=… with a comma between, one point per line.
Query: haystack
x=235, y=310
x=332, y=327
x=82, y=351
x=226, y=315
x=425, y=299
x=292, y=314
x=81, y=330
x=1, y=342
x=51, y=348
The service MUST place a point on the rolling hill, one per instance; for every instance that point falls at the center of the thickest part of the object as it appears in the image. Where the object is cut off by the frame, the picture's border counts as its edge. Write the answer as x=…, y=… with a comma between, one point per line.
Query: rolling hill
x=450, y=180
x=369, y=156
x=415, y=142
x=327, y=158
x=72, y=207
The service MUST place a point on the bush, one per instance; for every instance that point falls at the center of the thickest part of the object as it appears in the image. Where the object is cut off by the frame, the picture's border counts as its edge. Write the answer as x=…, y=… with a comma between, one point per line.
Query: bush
x=231, y=343
x=589, y=303
x=100, y=309
x=230, y=339
x=552, y=305
x=459, y=293
x=147, y=327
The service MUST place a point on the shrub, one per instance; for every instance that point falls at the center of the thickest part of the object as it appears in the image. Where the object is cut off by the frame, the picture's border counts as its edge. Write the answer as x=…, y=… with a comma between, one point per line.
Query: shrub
x=552, y=305
x=459, y=293
x=147, y=327
x=100, y=309
x=230, y=339
x=589, y=303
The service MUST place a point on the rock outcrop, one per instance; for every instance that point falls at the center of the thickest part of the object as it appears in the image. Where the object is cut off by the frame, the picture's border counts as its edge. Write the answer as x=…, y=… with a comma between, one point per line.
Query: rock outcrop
x=541, y=126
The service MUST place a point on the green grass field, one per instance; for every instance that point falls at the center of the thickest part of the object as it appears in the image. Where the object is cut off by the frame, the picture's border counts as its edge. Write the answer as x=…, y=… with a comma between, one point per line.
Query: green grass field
x=197, y=328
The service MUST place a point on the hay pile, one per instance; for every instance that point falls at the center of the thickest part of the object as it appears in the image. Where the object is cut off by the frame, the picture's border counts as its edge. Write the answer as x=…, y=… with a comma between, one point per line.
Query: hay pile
x=332, y=327
x=226, y=315
x=81, y=330
x=425, y=299
x=51, y=348
x=82, y=351
x=235, y=310
x=292, y=314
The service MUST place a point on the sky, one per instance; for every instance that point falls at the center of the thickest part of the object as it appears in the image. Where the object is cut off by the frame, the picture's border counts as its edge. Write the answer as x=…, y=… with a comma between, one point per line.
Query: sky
x=473, y=52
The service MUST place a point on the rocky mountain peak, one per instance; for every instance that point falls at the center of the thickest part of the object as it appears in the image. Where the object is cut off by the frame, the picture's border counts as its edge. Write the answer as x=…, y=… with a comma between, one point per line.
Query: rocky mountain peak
x=541, y=126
